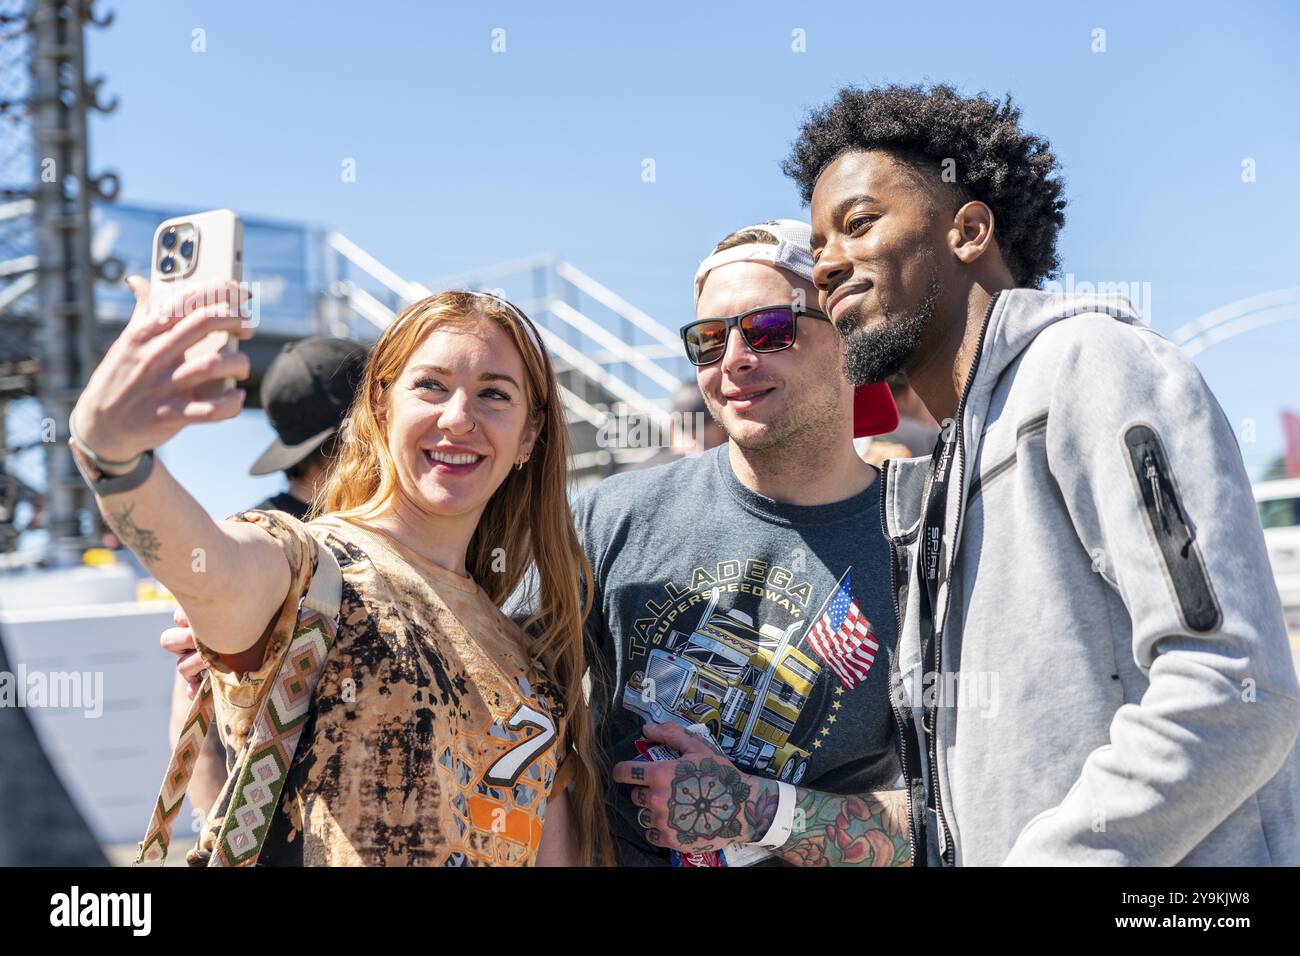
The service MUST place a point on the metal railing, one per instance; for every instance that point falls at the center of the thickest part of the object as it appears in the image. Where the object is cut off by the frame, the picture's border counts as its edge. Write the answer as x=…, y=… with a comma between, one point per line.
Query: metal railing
x=620, y=352
x=316, y=281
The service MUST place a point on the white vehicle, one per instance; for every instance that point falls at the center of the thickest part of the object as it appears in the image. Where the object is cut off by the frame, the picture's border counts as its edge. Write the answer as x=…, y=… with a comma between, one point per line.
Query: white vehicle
x=1279, y=511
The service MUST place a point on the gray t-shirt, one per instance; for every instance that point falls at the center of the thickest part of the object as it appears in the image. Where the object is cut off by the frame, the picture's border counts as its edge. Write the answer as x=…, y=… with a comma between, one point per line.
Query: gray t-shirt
x=771, y=624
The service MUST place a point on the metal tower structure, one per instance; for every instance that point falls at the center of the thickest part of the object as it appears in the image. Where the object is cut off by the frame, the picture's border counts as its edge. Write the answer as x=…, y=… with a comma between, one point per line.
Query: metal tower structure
x=48, y=341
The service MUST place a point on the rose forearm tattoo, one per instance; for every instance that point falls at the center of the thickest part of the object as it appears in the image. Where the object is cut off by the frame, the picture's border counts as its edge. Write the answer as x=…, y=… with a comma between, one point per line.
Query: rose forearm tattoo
x=866, y=830
x=140, y=540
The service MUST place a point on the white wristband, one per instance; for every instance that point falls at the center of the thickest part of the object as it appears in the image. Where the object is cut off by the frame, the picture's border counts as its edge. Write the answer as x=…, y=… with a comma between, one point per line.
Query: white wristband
x=783, y=823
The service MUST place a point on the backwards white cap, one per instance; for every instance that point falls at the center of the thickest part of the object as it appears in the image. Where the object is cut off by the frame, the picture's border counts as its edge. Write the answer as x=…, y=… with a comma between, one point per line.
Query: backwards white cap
x=792, y=251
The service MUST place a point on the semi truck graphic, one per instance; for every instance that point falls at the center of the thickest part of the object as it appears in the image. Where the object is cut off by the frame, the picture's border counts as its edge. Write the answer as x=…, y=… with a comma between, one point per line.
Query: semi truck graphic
x=746, y=685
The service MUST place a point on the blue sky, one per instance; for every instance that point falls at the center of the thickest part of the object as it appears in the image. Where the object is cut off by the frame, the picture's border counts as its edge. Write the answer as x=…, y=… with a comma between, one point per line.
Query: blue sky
x=465, y=157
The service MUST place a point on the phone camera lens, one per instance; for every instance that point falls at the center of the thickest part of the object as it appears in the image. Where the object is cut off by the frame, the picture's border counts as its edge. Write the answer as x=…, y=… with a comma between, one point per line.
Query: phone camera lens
x=167, y=265
x=169, y=239
x=187, y=248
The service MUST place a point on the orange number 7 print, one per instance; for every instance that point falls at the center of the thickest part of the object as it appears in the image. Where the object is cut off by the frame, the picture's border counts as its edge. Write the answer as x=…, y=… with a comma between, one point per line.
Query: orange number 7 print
x=505, y=770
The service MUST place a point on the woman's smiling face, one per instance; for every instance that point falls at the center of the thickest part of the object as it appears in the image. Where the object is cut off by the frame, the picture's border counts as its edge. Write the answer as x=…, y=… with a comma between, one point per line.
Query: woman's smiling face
x=459, y=417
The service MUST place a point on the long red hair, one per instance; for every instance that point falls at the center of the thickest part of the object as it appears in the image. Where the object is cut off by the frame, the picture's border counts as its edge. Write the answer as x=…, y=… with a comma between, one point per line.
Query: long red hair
x=526, y=524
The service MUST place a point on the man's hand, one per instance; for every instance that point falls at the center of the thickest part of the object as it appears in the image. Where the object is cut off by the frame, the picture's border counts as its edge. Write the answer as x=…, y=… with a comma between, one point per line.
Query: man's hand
x=179, y=640
x=699, y=802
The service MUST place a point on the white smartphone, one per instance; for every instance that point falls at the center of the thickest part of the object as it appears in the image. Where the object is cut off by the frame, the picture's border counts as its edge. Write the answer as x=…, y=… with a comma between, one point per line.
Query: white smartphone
x=195, y=250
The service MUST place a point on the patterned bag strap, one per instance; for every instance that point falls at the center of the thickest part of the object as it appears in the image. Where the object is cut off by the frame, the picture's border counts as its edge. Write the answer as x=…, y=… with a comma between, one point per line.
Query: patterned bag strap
x=157, y=839
x=264, y=765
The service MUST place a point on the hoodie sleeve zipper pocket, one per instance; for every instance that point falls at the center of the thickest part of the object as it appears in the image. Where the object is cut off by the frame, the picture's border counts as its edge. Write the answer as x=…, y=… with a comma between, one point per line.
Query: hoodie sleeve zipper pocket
x=1197, y=605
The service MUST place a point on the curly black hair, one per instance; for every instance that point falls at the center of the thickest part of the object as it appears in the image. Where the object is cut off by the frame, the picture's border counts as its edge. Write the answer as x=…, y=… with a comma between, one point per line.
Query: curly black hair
x=1013, y=172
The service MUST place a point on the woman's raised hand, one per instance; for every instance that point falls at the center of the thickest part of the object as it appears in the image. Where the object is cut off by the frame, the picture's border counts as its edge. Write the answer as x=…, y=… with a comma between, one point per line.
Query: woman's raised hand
x=142, y=393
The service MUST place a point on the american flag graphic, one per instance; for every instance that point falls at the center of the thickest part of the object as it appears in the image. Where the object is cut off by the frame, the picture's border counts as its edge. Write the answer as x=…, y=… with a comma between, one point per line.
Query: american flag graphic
x=843, y=639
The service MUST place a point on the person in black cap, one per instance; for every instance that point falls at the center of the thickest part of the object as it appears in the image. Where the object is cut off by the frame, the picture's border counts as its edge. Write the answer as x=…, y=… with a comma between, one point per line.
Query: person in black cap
x=306, y=393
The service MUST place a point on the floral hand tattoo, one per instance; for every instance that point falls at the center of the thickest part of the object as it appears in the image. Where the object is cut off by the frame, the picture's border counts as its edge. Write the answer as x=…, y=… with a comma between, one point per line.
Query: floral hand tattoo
x=706, y=802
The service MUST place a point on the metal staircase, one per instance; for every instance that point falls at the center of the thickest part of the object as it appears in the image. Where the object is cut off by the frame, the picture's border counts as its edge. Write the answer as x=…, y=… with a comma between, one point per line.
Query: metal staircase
x=611, y=358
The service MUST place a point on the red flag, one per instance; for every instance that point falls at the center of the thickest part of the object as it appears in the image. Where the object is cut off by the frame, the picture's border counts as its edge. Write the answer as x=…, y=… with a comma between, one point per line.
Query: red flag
x=1291, y=432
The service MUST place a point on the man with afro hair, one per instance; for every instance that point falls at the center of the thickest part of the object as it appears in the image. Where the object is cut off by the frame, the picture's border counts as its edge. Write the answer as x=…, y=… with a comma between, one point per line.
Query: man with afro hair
x=1091, y=640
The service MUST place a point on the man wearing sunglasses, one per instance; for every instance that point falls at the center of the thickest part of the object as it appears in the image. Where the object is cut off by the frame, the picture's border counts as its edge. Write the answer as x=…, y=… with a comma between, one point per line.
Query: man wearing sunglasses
x=1084, y=539
x=736, y=596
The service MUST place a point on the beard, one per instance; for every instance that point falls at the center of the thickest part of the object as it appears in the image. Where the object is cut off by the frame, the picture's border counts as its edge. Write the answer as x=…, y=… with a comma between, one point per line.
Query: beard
x=873, y=354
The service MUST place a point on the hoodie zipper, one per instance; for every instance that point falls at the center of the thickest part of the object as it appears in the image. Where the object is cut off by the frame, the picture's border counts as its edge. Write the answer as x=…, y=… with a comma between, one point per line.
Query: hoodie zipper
x=906, y=732
x=947, y=854
x=1196, y=602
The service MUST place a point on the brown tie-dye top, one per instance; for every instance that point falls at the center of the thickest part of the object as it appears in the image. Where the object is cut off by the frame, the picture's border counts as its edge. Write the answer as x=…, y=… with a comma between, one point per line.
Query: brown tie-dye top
x=429, y=743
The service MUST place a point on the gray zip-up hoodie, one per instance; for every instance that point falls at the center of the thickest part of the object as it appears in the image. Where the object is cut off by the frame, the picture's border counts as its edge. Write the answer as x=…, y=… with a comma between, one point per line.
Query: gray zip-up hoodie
x=1115, y=683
